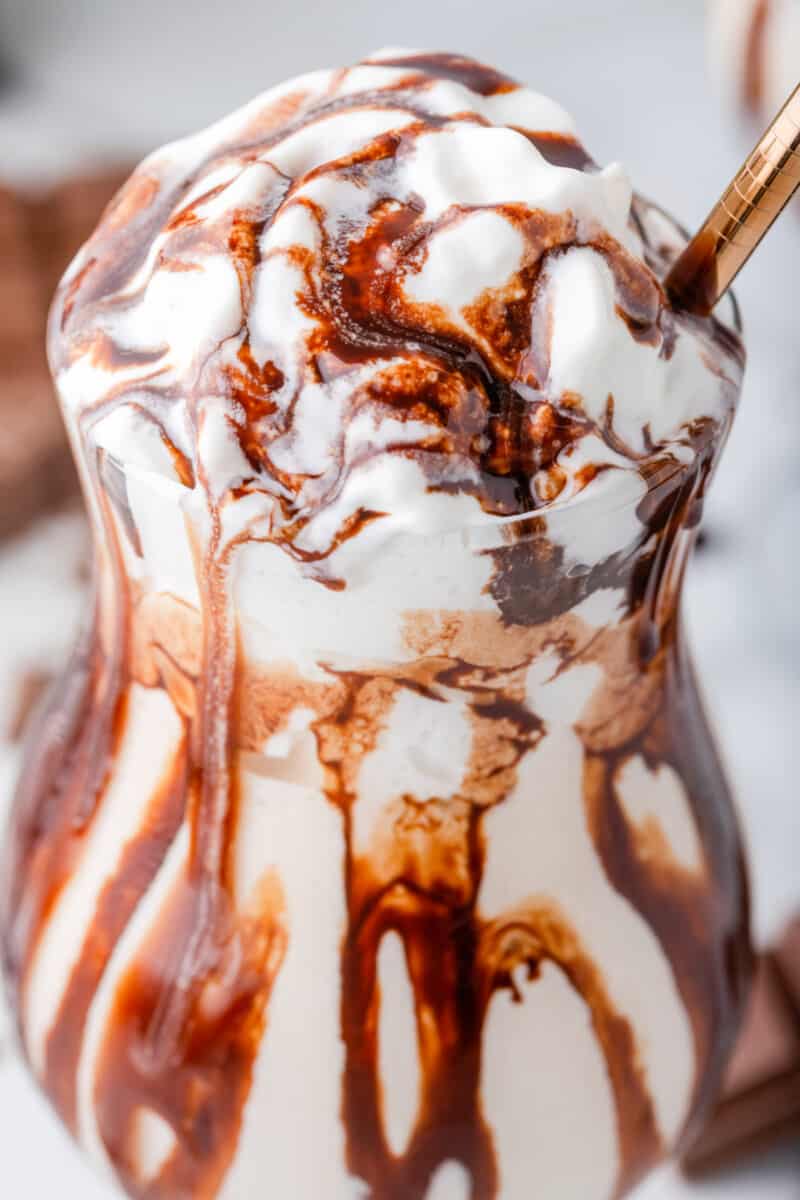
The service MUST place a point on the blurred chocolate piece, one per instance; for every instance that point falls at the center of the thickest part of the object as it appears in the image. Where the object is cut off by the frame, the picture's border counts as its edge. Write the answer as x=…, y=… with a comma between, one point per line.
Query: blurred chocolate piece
x=788, y=956
x=35, y=470
x=760, y=1103
x=20, y=303
x=39, y=234
x=62, y=218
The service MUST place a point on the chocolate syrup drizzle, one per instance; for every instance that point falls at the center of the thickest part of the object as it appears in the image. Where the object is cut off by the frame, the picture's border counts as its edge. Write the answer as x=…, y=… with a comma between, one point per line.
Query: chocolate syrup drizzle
x=191, y=1008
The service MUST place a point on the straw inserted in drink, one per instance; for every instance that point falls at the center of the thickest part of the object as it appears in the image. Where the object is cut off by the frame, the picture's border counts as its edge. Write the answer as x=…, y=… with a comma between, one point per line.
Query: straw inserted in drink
x=757, y=195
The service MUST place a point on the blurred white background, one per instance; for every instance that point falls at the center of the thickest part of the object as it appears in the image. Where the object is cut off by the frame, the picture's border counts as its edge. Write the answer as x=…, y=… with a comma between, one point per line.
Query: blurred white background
x=96, y=80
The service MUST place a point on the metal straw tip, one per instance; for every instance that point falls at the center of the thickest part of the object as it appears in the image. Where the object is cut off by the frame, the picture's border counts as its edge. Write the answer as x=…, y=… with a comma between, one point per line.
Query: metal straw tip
x=759, y=192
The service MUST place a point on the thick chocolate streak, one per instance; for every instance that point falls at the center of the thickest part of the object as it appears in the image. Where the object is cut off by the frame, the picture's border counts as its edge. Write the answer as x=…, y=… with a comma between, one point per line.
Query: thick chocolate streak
x=473, y=75
x=135, y=874
x=561, y=151
x=711, y=961
x=195, y=1073
x=440, y=947
x=59, y=794
x=180, y=1034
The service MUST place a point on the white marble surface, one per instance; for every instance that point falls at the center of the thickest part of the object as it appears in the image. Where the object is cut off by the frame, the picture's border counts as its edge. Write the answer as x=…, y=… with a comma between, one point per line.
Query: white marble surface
x=97, y=79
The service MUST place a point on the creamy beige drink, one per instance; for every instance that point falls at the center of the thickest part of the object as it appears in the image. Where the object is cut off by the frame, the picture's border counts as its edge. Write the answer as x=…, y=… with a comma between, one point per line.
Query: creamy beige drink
x=374, y=844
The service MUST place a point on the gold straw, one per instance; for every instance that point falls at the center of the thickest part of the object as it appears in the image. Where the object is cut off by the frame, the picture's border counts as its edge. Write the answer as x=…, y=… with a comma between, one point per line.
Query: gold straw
x=758, y=194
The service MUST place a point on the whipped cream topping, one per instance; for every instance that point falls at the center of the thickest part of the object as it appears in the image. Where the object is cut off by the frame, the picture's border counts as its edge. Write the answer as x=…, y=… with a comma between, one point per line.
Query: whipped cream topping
x=398, y=296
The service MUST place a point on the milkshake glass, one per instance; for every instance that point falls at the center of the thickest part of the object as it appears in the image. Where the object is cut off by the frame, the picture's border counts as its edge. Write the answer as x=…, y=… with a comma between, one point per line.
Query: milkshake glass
x=374, y=843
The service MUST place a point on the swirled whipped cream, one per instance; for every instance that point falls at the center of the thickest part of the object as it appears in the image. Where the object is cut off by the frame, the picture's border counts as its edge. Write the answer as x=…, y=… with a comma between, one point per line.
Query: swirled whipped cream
x=394, y=297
